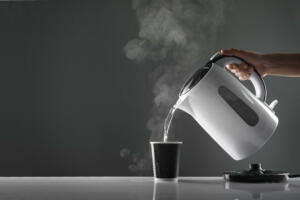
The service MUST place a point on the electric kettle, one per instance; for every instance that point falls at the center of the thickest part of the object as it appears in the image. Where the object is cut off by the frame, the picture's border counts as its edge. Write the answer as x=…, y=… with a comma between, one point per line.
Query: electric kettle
x=239, y=121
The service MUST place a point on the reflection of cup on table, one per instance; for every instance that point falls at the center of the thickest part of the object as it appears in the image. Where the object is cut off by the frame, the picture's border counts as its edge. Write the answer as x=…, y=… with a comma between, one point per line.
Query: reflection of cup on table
x=165, y=159
x=165, y=190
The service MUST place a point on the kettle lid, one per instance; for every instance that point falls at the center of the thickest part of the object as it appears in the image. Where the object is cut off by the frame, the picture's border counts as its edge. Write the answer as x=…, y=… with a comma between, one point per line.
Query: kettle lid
x=199, y=74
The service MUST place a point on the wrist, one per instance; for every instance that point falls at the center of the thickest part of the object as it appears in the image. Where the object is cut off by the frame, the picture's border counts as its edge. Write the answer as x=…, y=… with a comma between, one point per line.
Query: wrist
x=266, y=65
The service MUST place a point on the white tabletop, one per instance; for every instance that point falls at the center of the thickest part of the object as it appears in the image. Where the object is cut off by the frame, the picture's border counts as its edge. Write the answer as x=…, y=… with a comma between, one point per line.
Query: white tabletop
x=141, y=188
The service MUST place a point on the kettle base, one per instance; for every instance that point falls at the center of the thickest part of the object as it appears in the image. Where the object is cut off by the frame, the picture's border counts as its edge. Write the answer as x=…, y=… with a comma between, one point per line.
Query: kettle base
x=256, y=174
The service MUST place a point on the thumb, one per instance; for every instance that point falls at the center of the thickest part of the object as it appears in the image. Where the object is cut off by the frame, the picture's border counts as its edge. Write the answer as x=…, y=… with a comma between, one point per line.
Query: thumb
x=246, y=55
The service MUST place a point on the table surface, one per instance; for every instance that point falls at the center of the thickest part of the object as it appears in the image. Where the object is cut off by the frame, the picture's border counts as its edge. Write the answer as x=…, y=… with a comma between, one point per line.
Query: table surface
x=141, y=188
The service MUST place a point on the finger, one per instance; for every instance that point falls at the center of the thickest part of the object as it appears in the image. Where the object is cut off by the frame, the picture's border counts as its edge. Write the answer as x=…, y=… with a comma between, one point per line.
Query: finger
x=241, y=76
x=232, y=67
x=228, y=52
x=235, y=71
x=242, y=71
x=243, y=68
x=246, y=76
x=238, y=68
x=247, y=70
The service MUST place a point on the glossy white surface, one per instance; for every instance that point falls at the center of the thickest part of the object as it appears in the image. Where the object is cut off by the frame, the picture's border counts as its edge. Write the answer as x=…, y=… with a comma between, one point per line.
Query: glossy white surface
x=227, y=128
x=141, y=188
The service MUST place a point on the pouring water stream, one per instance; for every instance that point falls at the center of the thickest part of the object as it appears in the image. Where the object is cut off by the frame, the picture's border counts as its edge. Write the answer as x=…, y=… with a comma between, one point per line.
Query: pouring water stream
x=169, y=119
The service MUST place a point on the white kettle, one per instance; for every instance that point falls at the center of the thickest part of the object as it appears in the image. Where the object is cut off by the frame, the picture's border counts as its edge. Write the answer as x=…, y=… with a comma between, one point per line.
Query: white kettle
x=239, y=121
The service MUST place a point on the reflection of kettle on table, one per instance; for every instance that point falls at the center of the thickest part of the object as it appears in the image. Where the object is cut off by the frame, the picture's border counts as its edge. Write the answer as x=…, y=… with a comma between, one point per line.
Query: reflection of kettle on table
x=257, y=190
x=216, y=188
x=239, y=121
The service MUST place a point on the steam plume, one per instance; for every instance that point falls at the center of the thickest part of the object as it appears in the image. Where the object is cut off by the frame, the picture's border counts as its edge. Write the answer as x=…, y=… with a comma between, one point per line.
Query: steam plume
x=176, y=35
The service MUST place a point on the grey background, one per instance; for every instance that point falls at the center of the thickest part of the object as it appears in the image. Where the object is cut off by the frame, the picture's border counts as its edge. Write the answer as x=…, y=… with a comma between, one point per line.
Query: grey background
x=70, y=100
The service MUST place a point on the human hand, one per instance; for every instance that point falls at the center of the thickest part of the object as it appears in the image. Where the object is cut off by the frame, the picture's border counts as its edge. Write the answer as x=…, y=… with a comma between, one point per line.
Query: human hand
x=243, y=71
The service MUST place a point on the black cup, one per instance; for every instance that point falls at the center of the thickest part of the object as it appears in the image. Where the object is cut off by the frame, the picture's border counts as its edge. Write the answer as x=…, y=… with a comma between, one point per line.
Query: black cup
x=165, y=159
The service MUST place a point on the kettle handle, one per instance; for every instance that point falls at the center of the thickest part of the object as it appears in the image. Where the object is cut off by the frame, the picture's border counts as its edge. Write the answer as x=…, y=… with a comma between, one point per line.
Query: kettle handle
x=256, y=80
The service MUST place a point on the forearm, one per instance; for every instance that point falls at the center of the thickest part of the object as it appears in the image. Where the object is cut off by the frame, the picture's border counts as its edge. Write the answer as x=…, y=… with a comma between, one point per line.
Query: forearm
x=282, y=64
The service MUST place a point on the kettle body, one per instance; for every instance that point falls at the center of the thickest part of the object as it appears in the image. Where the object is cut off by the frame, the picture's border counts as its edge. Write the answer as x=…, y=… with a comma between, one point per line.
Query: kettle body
x=238, y=120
